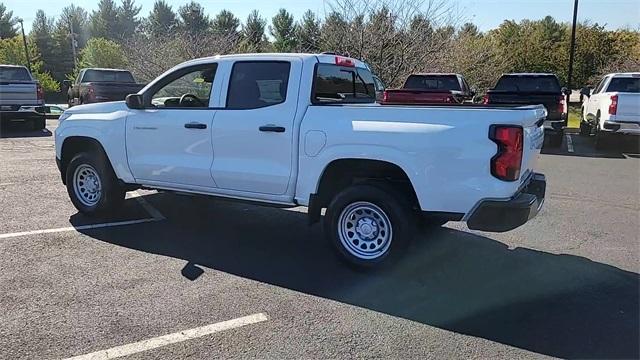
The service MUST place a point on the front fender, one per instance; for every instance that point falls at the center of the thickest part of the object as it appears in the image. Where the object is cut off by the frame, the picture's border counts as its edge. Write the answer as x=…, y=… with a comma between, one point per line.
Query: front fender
x=110, y=138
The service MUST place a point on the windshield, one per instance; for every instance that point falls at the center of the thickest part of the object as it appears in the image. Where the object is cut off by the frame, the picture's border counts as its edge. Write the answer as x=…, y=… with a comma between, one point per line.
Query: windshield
x=528, y=83
x=343, y=84
x=14, y=74
x=620, y=84
x=107, y=76
x=433, y=82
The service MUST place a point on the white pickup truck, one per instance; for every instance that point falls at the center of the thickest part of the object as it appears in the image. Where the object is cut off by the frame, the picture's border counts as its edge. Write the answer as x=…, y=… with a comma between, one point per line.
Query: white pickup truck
x=613, y=107
x=303, y=129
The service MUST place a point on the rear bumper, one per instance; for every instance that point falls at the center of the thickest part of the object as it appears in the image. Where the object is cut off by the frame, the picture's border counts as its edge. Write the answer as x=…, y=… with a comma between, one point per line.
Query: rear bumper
x=622, y=127
x=22, y=115
x=505, y=215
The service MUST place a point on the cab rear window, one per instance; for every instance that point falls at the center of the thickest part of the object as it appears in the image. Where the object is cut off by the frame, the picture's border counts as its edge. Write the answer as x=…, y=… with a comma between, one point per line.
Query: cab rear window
x=528, y=84
x=14, y=74
x=624, y=84
x=341, y=84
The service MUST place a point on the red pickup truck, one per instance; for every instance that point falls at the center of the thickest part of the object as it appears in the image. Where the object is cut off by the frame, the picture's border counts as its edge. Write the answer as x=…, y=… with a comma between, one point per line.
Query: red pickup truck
x=431, y=88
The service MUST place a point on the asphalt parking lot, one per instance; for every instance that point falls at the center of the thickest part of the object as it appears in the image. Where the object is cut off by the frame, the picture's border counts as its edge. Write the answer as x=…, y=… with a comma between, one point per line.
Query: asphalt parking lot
x=161, y=278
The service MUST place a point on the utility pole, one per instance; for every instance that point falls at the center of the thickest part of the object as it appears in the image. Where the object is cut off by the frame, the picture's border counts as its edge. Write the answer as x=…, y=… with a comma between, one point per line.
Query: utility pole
x=24, y=40
x=74, y=43
x=573, y=45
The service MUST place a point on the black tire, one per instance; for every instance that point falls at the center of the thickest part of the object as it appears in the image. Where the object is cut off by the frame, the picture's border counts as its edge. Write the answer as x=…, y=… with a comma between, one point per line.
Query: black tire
x=111, y=193
x=585, y=128
x=395, y=207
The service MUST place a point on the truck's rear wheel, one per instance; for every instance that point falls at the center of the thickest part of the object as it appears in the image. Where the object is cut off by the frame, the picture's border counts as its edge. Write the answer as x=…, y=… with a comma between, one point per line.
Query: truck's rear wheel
x=92, y=184
x=367, y=225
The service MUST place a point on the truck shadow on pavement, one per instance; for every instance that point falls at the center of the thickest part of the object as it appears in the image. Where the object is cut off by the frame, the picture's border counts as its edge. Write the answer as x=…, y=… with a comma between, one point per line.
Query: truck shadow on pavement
x=559, y=305
x=8, y=131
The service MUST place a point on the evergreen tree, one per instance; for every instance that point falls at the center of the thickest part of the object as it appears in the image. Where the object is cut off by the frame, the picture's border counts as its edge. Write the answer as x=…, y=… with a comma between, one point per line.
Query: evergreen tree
x=308, y=33
x=193, y=19
x=161, y=20
x=283, y=31
x=7, y=23
x=42, y=36
x=128, y=21
x=104, y=21
x=253, y=33
x=225, y=23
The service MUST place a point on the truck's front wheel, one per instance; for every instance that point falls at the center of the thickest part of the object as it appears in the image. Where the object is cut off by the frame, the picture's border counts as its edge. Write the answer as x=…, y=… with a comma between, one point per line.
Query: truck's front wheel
x=367, y=224
x=92, y=185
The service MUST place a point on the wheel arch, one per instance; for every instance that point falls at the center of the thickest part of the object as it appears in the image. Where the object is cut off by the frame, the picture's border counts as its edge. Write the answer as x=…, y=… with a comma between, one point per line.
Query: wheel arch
x=73, y=145
x=343, y=172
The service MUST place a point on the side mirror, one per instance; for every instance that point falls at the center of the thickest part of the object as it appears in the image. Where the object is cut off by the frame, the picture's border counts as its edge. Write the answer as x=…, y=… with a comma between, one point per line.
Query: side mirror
x=585, y=91
x=566, y=91
x=134, y=101
x=66, y=83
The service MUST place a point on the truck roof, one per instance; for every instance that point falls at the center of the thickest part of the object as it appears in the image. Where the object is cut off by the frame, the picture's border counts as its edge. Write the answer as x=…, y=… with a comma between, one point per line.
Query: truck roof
x=434, y=74
x=529, y=74
x=326, y=58
x=625, y=75
x=13, y=66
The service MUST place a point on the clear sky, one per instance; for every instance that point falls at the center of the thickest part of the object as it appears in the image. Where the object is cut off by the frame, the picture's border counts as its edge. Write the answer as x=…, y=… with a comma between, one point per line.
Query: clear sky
x=487, y=14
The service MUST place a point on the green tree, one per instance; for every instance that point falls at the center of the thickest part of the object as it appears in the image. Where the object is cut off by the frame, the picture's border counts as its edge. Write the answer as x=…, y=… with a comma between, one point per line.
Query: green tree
x=12, y=52
x=283, y=31
x=253, y=33
x=225, y=24
x=469, y=29
x=104, y=21
x=333, y=33
x=308, y=33
x=101, y=52
x=42, y=35
x=7, y=23
x=71, y=17
x=193, y=20
x=162, y=19
x=128, y=21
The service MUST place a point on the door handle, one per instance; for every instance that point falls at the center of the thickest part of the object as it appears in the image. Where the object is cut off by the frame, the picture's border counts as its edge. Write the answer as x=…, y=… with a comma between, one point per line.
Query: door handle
x=195, y=126
x=272, y=128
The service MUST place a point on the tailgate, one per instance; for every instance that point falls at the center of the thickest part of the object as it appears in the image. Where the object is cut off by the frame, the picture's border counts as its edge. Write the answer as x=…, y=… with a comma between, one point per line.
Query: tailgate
x=549, y=101
x=18, y=93
x=629, y=104
x=533, y=137
x=115, y=91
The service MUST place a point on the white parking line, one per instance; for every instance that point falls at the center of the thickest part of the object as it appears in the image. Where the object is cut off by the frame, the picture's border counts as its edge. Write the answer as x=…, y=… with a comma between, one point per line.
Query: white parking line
x=145, y=204
x=169, y=339
x=76, y=228
x=569, y=143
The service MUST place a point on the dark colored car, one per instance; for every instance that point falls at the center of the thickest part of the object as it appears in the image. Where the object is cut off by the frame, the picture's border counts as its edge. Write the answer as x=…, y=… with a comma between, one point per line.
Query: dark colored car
x=433, y=88
x=534, y=89
x=101, y=85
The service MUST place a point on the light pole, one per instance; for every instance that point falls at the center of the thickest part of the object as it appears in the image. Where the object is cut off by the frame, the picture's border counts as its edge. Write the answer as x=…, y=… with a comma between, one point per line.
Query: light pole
x=24, y=40
x=573, y=44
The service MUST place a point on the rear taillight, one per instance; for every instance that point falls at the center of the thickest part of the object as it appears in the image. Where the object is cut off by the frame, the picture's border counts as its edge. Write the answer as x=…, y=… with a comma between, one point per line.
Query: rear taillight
x=485, y=99
x=39, y=92
x=385, y=96
x=562, y=104
x=506, y=164
x=613, y=108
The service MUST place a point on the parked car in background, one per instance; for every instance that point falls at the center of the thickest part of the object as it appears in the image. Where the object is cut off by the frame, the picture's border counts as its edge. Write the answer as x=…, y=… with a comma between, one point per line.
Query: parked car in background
x=430, y=88
x=21, y=97
x=531, y=89
x=100, y=85
x=302, y=129
x=613, y=107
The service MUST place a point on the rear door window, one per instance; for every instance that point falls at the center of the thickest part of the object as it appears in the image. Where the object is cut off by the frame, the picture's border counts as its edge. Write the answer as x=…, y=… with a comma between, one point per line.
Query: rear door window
x=343, y=84
x=257, y=84
x=433, y=82
x=528, y=84
x=624, y=84
x=14, y=74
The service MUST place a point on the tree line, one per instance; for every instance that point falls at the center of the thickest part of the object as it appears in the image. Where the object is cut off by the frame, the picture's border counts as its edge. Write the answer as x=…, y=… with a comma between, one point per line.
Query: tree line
x=395, y=38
